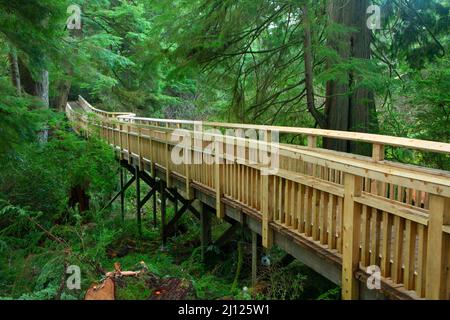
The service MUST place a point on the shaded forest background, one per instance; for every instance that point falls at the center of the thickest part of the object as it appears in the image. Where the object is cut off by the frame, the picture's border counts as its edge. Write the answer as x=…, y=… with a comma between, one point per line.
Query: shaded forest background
x=282, y=62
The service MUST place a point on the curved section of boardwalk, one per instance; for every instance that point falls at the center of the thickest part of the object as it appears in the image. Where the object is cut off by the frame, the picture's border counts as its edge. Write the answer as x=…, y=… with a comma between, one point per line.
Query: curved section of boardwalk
x=354, y=219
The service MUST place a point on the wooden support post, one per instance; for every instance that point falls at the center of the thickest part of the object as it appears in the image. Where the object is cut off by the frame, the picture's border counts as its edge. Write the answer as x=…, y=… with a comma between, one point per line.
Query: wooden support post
x=437, y=259
x=254, y=257
x=351, y=234
x=163, y=213
x=122, y=193
x=154, y=208
x=229, y=234
x=175, y=210
x=138, y=201
x=157, y=187
x=205, y=234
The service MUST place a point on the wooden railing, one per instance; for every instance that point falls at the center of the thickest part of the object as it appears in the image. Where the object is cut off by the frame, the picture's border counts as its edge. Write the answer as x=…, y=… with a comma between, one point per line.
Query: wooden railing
x=365, y=210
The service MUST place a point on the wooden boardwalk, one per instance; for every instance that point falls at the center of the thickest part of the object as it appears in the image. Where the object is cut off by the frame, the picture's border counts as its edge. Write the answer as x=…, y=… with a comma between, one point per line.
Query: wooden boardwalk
x=338, y=213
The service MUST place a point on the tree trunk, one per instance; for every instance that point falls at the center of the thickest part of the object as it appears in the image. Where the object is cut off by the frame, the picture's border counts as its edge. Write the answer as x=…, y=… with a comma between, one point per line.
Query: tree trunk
x=308, y=59
x=63, y=90
x=78, y=196
x=15, y=73
x=37, y=86
x=349, y=107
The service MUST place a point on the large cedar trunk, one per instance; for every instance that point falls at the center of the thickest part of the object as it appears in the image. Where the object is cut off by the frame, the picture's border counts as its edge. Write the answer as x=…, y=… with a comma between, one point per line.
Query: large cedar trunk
x=347, y=107
x=14, y=67
x=78, y=196
x=38, y=86
x=63, y=90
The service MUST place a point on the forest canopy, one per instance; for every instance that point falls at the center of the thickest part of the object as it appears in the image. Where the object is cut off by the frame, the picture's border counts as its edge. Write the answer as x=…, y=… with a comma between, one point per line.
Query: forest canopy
x=295, y=63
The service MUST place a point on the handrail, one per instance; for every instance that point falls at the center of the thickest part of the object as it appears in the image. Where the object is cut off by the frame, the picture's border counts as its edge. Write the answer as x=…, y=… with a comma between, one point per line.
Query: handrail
x=377, y=139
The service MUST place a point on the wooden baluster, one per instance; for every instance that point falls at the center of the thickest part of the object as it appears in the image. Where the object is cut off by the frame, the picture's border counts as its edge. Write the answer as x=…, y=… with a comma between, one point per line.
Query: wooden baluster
x=323, y=217
x=315, y=214
x=386, y=245
x=301, y=208
x=332, y=221
x=340, y=223
x=280, y=201
x=365, y=235
x=375, y=237
x=308, y=210
x=287, y=204
x=422, y=260
x=399, y=224
x=294, y=205
x=410, y=252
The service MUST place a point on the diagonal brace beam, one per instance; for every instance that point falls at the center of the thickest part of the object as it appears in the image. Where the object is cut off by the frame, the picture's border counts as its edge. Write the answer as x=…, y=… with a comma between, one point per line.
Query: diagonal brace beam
x=227, y=235
x=149, y=180
x=173, y=195
x=125, y=187
x=170, y=226
x=147, y=197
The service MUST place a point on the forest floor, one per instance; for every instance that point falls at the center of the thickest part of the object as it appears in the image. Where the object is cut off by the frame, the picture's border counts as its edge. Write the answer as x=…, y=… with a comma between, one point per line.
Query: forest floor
x=179, y=265
x=99, y=242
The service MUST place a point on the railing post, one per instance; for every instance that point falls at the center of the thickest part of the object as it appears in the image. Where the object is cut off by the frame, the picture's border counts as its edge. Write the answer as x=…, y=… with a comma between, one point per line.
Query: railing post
x=267, y=206
x=351, y=234
x=436, y=274
x=267, y=211
x=139, y=143
x=312, y=141
x=120, y=141
x=128, y=143
x=378, y=152
x=113, y=128
x=168, y=159
x=219, y=176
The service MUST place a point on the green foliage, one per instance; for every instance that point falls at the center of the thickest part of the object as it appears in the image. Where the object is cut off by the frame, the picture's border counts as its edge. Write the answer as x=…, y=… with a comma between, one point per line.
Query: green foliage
x=41, y=176
x=332, y=294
